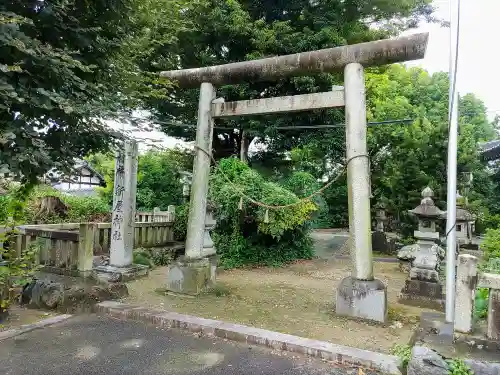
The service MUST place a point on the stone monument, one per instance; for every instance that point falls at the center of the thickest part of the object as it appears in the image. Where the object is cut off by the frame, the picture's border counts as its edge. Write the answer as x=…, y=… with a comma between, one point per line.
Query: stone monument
x=121, y=267
x=423, y=287
x=186, y=178
x=379, y=238
x=380, y=217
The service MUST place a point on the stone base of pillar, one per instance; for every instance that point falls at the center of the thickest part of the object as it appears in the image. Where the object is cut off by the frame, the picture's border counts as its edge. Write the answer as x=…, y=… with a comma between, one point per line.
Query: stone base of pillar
x=425, y=294
x=116, y=274
x=362, y=299
x=191, y=276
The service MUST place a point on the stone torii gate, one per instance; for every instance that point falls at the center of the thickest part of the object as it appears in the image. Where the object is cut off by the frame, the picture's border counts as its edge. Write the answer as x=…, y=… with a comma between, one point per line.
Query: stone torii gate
x=359, y=295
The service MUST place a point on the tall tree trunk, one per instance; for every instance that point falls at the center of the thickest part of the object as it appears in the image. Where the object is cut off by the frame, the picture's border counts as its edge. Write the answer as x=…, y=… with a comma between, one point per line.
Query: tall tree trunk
x=244, y=144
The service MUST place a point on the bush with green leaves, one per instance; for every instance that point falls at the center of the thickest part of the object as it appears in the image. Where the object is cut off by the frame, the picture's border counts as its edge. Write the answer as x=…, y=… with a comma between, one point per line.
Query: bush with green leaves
x=143, y=257
x=180, y=223
x=158, y=177
x=491, y=244
x=304, y=184
x=80, y=209
x=248, y=234
x=481, y=304
x=403, y=352
x=458, y=367
x=161, y=256
x=15, y=272
x=490, y=264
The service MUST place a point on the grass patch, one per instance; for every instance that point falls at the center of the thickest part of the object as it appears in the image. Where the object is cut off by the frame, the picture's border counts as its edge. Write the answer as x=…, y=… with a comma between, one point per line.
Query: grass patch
x=218, y=290
x=404, y=353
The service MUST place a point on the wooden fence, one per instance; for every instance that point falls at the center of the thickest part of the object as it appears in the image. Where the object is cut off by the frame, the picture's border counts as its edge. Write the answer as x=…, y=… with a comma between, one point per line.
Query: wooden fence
x=468, y=280
x=68, y=247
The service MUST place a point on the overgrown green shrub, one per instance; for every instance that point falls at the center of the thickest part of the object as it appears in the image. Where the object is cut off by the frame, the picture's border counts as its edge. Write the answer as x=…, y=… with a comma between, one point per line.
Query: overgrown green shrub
x=303, y=185
x=15, y=272
x=458, y=367
x=487, y=221
x=80, y=209
x=180, y=223
x=491, y=244
x=158, y=178
x=161, y=256
x=4, y=204
x=491, y=264
x=143, y=257
x=481, y=303
x=403, y=352
x=256, y=235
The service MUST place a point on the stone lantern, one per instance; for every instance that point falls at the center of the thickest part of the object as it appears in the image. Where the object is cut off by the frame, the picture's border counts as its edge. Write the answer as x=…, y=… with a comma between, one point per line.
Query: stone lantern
x=208, y=244
x=186, y=185
x=380, y=217
x=379, y=238
x=423, y=286
x=465, y=222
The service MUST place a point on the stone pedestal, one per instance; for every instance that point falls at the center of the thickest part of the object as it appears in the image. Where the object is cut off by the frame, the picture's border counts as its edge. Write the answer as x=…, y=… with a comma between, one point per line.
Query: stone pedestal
x=362, y=299
x=119, y=274
x=423, y=287
x=422, y=294
x=379, y=242
x=191, y=276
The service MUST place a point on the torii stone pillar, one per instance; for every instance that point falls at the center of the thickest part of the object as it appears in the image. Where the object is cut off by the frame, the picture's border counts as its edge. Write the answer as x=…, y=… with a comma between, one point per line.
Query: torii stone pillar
x=359, y=295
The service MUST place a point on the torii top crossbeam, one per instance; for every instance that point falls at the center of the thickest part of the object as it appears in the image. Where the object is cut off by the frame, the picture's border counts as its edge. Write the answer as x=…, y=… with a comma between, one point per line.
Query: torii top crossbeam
x=380, y=52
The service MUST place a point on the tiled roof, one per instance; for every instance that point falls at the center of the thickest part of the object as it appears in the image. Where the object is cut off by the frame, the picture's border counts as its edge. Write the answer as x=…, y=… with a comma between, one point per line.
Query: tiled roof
x=490, y=150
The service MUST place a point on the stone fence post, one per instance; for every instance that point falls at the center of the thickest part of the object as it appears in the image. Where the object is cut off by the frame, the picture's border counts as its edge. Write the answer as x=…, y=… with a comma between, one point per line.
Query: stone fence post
x=86, y=248
x=156, y=211
x=465, y=292
x=171, y=211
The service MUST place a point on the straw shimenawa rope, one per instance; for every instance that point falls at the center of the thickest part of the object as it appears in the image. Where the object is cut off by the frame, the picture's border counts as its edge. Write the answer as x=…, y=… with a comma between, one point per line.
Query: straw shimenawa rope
x=277, y=207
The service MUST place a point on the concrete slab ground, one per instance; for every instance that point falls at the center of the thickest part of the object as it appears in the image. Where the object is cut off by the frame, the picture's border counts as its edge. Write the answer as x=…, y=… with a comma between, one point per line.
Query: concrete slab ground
x=101, y=345
x=328, y=245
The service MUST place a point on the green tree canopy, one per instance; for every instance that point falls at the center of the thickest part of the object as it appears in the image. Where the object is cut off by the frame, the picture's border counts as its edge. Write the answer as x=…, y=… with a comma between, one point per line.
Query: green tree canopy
x=158, y=178
x=65, y=65
x=226, y=31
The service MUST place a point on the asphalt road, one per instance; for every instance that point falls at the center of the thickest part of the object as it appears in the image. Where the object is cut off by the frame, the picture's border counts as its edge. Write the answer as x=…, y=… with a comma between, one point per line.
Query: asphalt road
x=100, y=345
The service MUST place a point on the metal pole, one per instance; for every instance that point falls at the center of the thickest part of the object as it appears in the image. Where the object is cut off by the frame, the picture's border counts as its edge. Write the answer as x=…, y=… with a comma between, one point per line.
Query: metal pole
x=358, y=172
x=451, y=240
